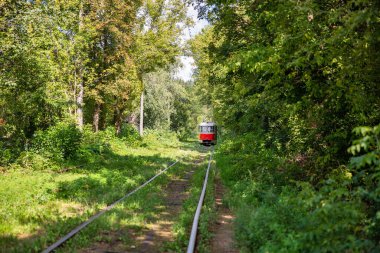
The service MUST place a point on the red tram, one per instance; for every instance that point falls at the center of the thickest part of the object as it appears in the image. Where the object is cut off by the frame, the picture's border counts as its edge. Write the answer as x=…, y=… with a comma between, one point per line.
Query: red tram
x=207, y=133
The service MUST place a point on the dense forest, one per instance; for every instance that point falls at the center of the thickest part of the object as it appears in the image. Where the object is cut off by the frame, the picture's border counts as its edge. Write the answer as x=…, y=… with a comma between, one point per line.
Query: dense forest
x=295, y=87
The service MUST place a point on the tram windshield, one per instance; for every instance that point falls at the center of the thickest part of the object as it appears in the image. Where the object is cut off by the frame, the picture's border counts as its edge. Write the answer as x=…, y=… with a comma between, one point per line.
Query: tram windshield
x=207, y=129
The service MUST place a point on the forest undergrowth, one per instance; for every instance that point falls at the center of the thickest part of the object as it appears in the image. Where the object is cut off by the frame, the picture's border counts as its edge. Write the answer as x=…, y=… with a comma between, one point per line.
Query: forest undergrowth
x=279, y=209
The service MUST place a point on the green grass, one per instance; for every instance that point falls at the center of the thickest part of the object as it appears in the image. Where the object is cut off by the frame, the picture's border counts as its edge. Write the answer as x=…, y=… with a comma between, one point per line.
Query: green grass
x=184, y=222
x=39, y=206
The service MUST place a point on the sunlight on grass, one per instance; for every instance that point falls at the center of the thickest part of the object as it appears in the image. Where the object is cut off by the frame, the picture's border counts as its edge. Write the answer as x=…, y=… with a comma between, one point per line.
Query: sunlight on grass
x=38, y=206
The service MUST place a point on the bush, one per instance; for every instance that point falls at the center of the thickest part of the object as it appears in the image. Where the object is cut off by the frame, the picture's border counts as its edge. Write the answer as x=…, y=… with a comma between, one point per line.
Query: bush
x=35, y=161
x=11, y=147
x=279, y=211
x=302, y=220
x=5, y=154
x=184, y=134
x=245, y=158
x=59, y=142
x=130, y=134
x=366, y=169
x=152, y=137
x=94, y=144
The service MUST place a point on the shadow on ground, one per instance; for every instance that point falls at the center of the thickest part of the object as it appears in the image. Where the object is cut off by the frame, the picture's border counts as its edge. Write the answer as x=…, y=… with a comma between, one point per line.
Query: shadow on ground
x=103, y=183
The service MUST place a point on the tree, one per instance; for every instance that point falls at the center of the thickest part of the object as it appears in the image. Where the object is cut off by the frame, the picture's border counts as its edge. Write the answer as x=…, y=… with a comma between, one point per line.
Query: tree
x=171, y=104
x=32, y=90
x=114, y=79
x=260, y=78
x=157, y=37
x=289, y=81
x=159, y=99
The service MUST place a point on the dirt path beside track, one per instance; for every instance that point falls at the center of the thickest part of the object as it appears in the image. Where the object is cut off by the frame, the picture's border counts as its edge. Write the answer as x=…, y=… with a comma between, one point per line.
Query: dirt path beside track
x=222, y=241
x=158, y=231
x=161, y=231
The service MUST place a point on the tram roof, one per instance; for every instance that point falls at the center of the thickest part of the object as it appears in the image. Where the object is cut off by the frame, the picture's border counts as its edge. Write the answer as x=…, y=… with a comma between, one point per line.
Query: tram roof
x=207, y=124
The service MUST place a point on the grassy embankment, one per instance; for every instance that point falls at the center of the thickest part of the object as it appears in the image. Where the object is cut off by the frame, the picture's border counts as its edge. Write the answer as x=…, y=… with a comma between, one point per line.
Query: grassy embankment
x=39, y=206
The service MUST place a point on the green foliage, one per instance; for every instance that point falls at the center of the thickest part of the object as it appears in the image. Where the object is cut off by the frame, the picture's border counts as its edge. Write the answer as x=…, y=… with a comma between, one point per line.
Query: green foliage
x=185, y=118
x=5, y=154
x=157, y=30
x=369, y=143
x=36, y=161
x=130, y=134
x=37, y=207
x=51, y=148
x=32, y=91
x=170, y=104
x=248, y=158
x=366, y=168
x=307, y=99
x=80, y=60
x=159, y=99
x=275, y=213
x=153, y=137
x=59, y=142
x=302, y=220
x=289, y=81
x=94, y=143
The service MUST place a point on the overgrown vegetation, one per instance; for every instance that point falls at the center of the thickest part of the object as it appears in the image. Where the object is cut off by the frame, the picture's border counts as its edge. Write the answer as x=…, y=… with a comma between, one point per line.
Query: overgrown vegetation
x=72, y=74
x=291, y=82
x=278, y=213
x=45, y=194
x=293, y=85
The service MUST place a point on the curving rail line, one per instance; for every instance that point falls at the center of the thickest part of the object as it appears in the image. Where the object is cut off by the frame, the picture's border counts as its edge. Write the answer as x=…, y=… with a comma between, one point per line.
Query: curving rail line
x=94, y=217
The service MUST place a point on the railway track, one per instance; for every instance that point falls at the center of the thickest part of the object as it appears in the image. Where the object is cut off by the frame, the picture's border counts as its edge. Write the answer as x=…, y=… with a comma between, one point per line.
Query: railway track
x=194, y=229
x=192, y=241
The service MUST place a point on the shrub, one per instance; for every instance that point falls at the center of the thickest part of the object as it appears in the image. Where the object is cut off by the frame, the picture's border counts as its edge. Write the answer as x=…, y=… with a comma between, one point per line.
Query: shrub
x=278, y=212
x=11, y=146
x=35, y=161
x=184, y=134
x=99, y=143
x=300, y=219
x=245, y=158
x=5, y=154
x=130, y=134
x=152, y=137
x=59, y=142
x=366, y=169
x=94, y=144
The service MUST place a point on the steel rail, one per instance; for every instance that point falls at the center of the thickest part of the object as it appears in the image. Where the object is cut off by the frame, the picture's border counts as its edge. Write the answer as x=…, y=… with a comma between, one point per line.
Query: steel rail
x=193, y=235
x=94, y=217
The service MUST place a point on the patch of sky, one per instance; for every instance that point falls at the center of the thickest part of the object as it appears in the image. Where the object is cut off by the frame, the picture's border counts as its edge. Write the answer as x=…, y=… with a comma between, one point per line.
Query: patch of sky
x=185, y=71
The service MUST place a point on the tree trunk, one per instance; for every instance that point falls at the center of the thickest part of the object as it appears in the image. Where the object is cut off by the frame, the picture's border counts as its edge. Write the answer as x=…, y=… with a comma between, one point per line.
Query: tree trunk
x=103, y=118
x=95, y=121
x=79, y=70
x=118, y=120
x=133, y=120
x=80, y=104
x=141, y=130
